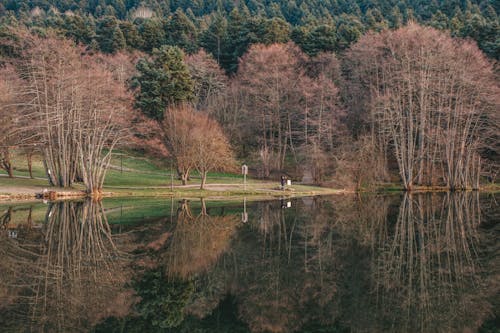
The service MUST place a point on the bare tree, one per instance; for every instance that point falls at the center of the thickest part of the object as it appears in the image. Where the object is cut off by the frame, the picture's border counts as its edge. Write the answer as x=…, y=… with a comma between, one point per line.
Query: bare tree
x=212, y=151
x=178, y=125
x=72, y=103
x=8, y=119
x=427, y=94
x=209, y=79
x=196, y=142
x=284, y=107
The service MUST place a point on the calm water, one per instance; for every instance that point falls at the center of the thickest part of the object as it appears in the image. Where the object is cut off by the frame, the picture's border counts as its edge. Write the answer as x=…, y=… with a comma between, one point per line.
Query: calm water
x=401, y=263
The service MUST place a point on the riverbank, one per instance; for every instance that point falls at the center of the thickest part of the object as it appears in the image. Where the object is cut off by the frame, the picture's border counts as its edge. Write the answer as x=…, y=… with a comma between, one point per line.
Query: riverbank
x=25, y=189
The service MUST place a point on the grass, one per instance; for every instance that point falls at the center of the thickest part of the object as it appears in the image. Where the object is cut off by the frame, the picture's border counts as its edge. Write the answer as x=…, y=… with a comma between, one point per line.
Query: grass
x=123, y=211
x=25, y=182
x=136, y=176
x=127, y=170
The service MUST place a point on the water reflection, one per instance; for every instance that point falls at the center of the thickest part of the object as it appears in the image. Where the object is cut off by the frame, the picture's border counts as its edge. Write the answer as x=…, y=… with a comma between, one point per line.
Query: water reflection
x=401, y=263
x=427, y=269
x=64, y=276
x=198, y=240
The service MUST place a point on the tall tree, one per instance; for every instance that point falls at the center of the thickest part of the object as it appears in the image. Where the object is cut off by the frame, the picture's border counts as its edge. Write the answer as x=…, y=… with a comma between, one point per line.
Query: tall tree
x=428, y=96
x=162, y=81
x=182, y=32
x=109, y=35
x=71, y=102
x=196, y=141
x=209, y=79
x=9, y=122
x=283, y=108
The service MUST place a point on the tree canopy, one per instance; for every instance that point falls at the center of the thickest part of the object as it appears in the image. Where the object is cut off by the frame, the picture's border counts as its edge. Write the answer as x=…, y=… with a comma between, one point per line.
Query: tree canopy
x=226, y=28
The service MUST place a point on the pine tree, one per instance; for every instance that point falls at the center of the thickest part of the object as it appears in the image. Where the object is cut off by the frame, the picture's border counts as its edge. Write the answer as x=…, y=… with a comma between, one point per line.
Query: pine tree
x=109, y=35
x=164, y=81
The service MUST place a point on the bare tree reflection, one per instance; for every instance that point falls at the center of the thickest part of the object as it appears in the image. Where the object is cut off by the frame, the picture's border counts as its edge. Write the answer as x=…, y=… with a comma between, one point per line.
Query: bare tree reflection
x=198, y=240
x=426, y=275
x=70, y=279
x=279, y=269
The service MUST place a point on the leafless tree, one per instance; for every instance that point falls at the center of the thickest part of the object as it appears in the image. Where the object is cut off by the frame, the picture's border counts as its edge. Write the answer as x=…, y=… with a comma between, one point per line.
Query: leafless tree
x=282, y=107
x=209, y=79
x=211, y=149
x=427, y=94
x=73, y=104
x=9, y=129
x=196, y=142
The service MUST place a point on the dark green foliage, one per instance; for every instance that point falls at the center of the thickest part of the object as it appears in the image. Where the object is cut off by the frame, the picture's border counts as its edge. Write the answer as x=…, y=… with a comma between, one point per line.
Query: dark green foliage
x=109, y=35
x=152, y=34
x=181, y=32
x=163, y=299
x=131, y=35
x=320, y=38
x=214, y=37
x=161, y=307
x=226, y=28
x=81, y=29
x=162, y=81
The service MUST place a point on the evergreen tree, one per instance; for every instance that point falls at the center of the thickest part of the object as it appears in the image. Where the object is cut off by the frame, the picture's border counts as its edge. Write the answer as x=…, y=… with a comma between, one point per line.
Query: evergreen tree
x=109, y=35
x=152, y=34
x=182, y=32
x=131, y=34
x=214, y=36
x=162, y=81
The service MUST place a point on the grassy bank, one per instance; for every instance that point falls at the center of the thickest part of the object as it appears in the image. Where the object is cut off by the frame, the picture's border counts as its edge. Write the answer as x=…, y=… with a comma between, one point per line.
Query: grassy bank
x=136, y=176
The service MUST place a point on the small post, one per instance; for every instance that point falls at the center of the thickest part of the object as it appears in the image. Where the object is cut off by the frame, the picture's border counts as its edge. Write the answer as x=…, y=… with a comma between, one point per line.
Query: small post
x=171, y=176
x=244, y=215
x=121, y=163
x=244, y=171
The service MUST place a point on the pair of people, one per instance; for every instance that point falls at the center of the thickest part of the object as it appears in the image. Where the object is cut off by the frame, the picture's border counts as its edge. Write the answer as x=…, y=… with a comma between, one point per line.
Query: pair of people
x=283, y=182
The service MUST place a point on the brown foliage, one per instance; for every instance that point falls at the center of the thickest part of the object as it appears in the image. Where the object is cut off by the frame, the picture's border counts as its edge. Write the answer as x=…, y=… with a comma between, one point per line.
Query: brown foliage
x=198, y=241
x=425, y=94
x=196, y=142
x=76, y=108
x=282, y=107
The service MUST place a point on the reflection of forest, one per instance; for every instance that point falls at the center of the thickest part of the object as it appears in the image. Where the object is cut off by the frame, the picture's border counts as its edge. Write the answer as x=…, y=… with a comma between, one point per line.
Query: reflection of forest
x=427, y=275
x=359, y=263
x=63, y=276
x=408, y=263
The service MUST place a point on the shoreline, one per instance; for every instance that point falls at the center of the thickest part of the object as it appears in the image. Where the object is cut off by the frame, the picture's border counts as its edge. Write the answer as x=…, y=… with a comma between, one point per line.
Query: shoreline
x=264, y=191
x=213, y=191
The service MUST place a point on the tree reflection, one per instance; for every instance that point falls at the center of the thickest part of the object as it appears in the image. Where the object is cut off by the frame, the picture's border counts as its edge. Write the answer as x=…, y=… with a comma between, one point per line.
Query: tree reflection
x=198, y=240
x=278, y=270
x=72, y=275
x=372, y=263
x=426, y=274
x=399, y=263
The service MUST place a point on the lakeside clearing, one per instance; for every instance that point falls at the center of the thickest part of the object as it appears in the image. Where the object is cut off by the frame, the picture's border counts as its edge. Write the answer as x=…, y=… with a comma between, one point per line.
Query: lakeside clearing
x=26, y=189
x=137, y=176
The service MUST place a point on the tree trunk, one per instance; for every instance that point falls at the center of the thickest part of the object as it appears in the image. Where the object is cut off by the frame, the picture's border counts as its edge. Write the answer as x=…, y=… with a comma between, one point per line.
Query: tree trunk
x=184, y=178
x=29, y=157
x=203, y=179
x=6, y=163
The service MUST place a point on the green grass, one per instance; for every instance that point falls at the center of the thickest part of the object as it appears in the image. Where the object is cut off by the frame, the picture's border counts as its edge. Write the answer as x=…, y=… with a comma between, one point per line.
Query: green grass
x=125, y=210
x=5, y=181
x=127, y=170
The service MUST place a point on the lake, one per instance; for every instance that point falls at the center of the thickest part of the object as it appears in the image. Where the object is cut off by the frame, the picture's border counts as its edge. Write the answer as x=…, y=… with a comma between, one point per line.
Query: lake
x=369, y=263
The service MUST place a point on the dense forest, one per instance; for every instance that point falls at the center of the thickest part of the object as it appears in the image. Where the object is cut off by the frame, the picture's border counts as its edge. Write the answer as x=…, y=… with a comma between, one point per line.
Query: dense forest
x=345, y=93
x=226, y=28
